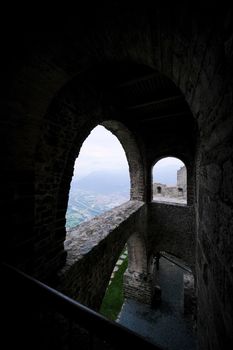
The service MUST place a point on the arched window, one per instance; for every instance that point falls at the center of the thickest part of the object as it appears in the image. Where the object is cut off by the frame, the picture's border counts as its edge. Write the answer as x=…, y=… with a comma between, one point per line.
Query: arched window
x=170, y=181
x=101, y=177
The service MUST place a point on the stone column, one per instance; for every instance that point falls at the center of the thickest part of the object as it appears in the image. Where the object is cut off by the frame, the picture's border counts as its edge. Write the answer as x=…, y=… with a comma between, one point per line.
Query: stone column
x=139, y=279
x=138, y=286
x=142, y=287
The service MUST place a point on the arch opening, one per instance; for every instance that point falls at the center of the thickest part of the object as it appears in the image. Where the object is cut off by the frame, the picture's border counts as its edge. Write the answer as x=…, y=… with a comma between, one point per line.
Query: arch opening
x=101, y=178
x=114, y=294
x=170, y=181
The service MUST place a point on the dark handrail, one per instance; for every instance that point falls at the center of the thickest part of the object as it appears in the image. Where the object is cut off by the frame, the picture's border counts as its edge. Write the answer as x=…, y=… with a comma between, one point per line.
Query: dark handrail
x=103, y=328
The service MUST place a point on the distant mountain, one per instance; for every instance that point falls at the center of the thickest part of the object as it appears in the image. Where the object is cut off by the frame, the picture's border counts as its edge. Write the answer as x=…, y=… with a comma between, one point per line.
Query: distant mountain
x=104, y=182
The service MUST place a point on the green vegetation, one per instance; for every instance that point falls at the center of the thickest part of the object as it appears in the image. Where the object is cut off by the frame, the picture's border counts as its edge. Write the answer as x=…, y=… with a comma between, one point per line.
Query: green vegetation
x=114, y=298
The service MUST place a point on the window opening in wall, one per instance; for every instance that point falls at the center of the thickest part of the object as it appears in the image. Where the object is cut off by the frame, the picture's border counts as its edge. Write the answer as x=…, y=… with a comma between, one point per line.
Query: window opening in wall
x=170, y=181
x=101, y=178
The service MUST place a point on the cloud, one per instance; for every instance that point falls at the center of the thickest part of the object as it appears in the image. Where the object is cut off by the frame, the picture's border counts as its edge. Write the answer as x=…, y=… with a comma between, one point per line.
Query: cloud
x=165, y=170
x=100, y=151
x=169, y=161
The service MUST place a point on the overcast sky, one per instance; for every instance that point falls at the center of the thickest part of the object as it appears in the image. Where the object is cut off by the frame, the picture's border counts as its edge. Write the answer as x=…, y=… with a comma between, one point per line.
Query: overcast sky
x=165, y=170
x=102, y=151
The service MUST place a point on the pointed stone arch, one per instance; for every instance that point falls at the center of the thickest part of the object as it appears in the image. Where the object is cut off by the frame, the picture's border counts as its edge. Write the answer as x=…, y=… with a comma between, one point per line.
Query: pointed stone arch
x=133, y=155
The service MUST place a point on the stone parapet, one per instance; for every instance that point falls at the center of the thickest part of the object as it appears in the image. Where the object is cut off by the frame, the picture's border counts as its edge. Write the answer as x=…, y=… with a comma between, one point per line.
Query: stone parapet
x=83, y=238
x=93, y=249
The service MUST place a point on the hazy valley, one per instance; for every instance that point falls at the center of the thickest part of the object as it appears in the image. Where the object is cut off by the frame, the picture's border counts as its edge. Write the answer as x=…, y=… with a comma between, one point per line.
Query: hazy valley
x=96, y=193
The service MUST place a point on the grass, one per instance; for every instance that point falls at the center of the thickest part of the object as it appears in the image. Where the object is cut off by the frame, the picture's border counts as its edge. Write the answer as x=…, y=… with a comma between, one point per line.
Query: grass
x=114, y=297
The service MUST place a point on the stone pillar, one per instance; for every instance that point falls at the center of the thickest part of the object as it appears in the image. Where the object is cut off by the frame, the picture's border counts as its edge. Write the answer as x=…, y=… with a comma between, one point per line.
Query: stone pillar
x=138, y=286
x=139, y=279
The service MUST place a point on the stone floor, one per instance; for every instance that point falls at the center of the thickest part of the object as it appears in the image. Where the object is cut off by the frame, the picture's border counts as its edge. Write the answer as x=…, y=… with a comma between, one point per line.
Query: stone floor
x=165, y=326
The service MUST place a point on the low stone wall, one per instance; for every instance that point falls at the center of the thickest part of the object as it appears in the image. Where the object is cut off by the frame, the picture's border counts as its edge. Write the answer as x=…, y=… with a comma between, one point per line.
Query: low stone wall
x=93, y=249
x=171, y=228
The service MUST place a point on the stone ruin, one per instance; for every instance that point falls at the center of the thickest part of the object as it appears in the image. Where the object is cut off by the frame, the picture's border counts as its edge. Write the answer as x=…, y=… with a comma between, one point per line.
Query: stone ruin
x=178, y=193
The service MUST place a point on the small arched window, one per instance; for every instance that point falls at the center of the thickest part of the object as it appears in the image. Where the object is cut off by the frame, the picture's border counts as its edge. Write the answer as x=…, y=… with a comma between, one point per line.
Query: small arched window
x=170, y=181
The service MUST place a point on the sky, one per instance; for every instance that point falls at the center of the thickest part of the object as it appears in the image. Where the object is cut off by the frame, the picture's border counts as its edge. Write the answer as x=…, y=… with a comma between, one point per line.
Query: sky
x=102, y=151
x=165, y=171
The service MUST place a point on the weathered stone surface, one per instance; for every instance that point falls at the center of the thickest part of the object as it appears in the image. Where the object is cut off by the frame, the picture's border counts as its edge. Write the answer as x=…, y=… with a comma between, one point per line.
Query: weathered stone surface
x=82, y=239
x=227, y=183
x=57, y=86
x=138, y=286
x=91, y=261
x=189, y=295
x=171, y=228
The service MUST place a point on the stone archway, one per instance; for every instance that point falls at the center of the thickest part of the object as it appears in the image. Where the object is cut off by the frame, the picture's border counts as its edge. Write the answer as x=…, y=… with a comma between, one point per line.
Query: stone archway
x=134, y=157
x=196, y=54
x=56, y=153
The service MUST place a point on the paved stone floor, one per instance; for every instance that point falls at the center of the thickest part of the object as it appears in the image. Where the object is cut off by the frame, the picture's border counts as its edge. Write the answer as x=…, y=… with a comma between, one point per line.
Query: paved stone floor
x=165, y=326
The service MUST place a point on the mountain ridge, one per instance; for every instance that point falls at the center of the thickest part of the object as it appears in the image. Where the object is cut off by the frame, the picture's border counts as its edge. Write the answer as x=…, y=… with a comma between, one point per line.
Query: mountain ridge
x=104, y=182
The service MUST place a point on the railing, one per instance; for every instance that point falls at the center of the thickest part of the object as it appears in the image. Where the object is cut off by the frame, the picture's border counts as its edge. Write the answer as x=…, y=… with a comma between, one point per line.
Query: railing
x=28, y=293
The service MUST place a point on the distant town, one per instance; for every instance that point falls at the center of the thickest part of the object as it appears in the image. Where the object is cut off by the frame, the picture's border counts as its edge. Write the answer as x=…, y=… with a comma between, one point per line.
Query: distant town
x=95, y=194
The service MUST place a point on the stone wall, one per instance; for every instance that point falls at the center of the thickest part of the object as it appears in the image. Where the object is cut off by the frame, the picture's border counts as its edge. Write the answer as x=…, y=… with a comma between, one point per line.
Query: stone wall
x=171, y=228
x=93, y=248
x=182, y=180
x=192, y=45
x=90, y=262
x=214, y=243
x=164, y=190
